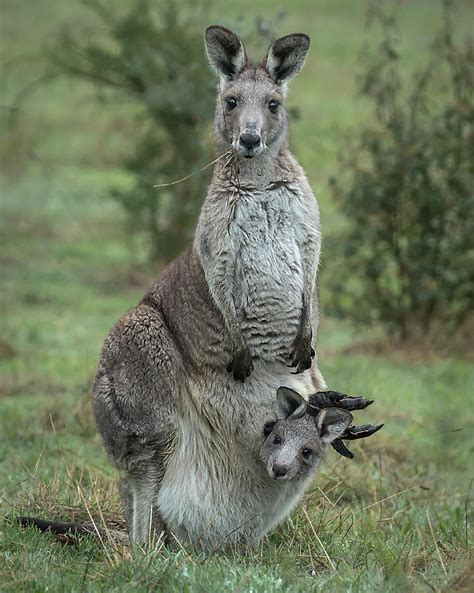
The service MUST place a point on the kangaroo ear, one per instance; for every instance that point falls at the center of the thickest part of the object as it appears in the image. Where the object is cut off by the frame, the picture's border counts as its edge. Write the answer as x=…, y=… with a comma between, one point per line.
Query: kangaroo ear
x=225, y=51
x=286, y=57
x=332, y=423
x=289, y=403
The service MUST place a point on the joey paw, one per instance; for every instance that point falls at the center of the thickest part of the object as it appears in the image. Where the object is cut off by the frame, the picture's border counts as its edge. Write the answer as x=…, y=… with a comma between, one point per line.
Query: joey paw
x=241, y=364
x=335, y=399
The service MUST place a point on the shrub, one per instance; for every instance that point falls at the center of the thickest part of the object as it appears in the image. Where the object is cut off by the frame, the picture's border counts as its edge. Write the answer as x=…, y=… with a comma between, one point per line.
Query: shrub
x=406, y=255
x=153, y=55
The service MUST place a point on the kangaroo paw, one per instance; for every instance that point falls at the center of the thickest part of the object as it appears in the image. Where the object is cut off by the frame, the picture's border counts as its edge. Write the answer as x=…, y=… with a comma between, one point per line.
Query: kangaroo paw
x=301, y=353
x=241, y=365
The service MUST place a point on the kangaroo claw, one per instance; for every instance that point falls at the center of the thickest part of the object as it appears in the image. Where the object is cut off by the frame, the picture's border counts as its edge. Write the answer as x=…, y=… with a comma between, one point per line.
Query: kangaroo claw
x=333, y=399
x=241, y=365
x=302, y=354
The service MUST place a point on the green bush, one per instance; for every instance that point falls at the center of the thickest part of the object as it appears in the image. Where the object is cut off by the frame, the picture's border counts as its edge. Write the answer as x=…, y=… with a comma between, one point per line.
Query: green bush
x=153, y=55
x=406, y=255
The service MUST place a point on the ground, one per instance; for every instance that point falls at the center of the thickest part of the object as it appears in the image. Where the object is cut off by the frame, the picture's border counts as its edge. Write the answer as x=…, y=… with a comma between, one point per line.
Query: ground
x=396, y=518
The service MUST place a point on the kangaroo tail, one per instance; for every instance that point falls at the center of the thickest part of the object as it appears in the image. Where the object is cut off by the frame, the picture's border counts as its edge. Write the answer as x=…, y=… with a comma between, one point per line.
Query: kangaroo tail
x=71, y=529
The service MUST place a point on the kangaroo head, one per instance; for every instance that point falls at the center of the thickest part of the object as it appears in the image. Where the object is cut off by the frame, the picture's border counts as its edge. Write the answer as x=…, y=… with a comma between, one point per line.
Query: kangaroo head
x=295, y=443
x=251, y=114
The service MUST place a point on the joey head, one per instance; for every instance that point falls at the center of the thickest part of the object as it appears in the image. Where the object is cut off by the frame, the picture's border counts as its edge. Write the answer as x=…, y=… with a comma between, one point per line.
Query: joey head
x=296, y=440
x=295, y=444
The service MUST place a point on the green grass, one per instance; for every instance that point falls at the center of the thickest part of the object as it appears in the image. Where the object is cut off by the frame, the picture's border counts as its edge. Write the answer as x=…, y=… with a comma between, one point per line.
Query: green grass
x=394, y=519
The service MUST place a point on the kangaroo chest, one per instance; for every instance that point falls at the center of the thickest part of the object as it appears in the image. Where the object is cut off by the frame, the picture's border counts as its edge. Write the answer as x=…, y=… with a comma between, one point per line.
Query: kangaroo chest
x=266, y=235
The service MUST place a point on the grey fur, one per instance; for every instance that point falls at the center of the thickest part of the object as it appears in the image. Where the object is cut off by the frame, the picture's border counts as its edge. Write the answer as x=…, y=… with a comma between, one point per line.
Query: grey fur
x=185, y=433
x=297, y=442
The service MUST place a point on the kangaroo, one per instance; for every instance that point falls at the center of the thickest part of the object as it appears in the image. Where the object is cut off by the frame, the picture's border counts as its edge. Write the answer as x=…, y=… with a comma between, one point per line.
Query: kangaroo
x=294, y=444
x=187, y=378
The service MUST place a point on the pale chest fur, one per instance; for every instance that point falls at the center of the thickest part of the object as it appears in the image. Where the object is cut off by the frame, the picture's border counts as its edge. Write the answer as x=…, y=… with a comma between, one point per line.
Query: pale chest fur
x=263, y=234
x=266, y=235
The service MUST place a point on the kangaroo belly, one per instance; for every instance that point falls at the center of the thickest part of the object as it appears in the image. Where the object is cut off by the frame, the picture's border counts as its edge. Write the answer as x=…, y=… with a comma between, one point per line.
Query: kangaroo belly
x=218, y=503
x=202, y=502
x=269, y=275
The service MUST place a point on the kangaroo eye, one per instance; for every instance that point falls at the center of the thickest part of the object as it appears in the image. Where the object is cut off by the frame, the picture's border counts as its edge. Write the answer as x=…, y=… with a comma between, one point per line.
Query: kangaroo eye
x=276, y=440
x=273, y=105
x=231, y=103
x=306, y=453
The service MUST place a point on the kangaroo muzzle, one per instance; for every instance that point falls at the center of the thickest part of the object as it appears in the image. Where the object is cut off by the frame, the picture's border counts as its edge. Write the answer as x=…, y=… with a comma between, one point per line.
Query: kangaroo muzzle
x=250, y=141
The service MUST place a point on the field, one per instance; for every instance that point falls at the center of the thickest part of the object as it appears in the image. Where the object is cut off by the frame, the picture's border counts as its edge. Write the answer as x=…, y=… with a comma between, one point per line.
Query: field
x=394, y=519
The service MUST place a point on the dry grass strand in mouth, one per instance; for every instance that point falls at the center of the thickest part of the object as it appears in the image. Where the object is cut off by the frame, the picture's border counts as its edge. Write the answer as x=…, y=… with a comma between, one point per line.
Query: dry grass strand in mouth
x=234, y=177
x=195, y=172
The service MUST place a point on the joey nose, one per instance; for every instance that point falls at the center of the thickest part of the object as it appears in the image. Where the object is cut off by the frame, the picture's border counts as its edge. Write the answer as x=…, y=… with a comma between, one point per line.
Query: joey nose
x=250, y=139
x=279, y=471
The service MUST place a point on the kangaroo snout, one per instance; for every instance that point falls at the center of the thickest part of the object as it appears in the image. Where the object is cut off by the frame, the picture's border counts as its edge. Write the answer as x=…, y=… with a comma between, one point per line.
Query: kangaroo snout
x=250, y=139
x=250, y=143
x=279, y=471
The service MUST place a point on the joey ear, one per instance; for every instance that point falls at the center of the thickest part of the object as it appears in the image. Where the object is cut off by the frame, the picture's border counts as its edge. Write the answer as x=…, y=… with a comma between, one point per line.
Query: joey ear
x=225, y=51
x=286, y=57
x=332, y=423
x=289, y=403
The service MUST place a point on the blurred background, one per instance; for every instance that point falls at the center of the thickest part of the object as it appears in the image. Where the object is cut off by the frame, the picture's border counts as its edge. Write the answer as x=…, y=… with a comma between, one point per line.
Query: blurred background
x=102, y=99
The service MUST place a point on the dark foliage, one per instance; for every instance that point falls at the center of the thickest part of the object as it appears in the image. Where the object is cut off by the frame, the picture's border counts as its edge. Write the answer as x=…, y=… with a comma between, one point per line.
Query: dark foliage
x=406, y=257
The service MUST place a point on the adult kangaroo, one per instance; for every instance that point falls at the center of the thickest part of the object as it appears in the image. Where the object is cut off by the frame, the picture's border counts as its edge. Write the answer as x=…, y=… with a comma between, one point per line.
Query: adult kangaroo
x=188, y=377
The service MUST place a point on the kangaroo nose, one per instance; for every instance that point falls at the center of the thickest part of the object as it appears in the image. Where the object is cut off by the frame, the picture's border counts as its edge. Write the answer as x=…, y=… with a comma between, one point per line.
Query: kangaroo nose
x=250, y=139
x=279, y=470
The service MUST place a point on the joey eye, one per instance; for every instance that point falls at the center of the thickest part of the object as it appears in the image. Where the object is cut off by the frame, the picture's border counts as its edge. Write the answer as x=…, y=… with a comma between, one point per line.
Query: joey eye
x=306, y=453
x=231, y=103
x=273, y=105
x=267, y=429
x=276, y=440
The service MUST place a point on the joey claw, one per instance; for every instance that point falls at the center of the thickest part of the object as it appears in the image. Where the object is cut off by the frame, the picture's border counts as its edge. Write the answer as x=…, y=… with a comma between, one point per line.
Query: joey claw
x=324, y=399
x=353, y=433
x=363, y=431
x=333, y=399
x=241, y=365
x=330, y=399
x=355, y=403
x=341, y=448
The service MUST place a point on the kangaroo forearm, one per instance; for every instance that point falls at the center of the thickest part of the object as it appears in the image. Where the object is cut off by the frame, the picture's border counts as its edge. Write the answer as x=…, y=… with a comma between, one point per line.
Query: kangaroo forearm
x=311, y=251
x=219, y=273
x=307, y=303
x=224, y=302
x=305, y=320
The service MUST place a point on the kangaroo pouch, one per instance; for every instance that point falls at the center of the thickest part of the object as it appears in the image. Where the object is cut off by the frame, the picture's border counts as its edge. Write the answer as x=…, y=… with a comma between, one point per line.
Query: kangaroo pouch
x=216, y=491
